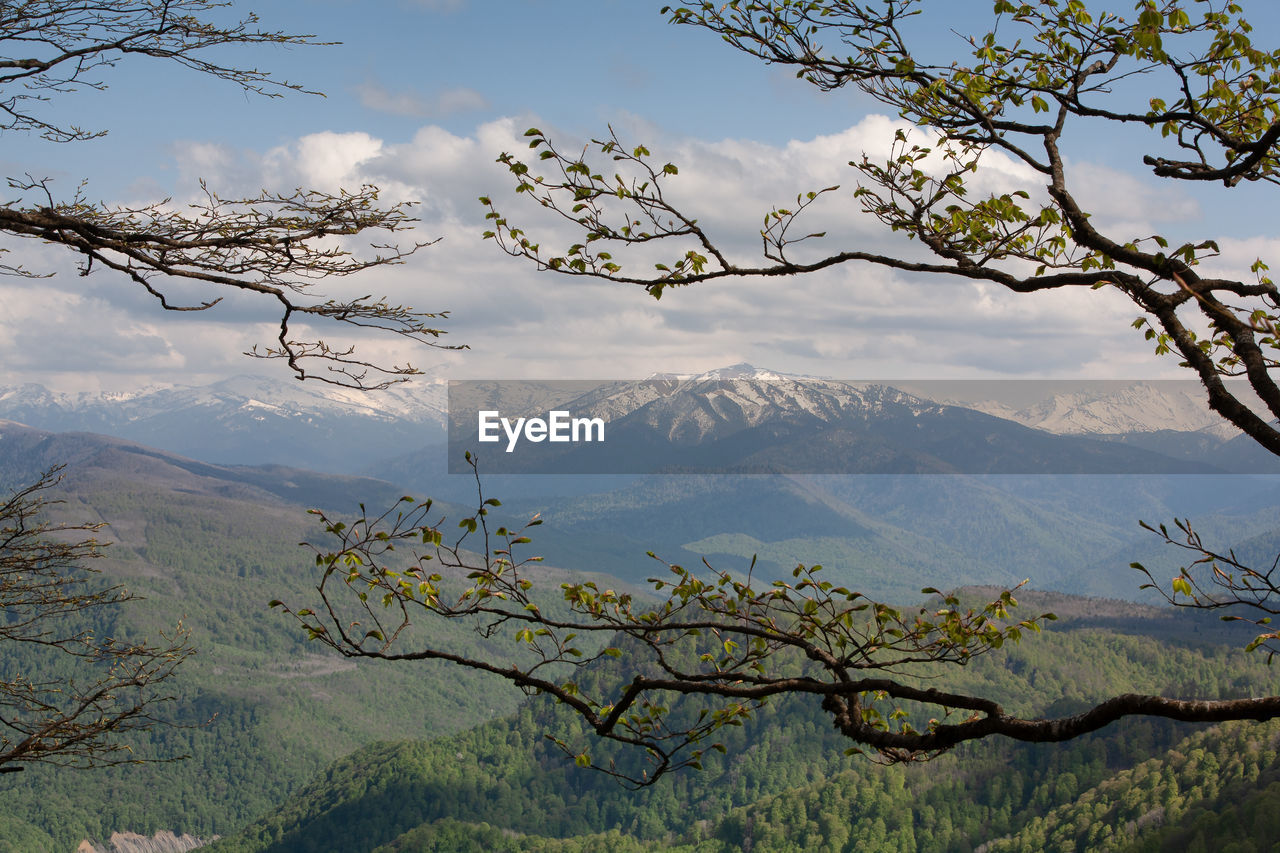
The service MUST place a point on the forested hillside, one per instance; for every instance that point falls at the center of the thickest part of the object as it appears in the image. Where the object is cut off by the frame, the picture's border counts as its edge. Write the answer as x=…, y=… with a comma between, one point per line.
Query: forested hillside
x=787, y=784
x=263, y=713
x=211, y=546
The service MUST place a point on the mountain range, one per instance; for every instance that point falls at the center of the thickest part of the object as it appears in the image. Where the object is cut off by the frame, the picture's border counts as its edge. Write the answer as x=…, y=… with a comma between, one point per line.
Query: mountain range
x=247, y=420
x=765, y=424
x=739, y=418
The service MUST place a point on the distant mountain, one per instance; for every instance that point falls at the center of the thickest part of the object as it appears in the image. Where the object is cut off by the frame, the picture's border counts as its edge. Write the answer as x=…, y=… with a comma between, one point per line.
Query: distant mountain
x=754, y=422
x=92, y=459
x=248, y=421
x=741, y=370
x=890, y=535
x=737, y=418
x=1062, y=407
x=1115, y=408
x=1169, y=417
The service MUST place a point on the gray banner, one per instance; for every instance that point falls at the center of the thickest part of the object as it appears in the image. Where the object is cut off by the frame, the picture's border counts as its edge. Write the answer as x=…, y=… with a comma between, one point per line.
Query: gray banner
x=780, y=425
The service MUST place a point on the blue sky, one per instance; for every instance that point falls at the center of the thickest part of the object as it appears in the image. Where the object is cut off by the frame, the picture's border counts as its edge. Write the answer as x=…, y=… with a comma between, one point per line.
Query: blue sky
x=422, y=95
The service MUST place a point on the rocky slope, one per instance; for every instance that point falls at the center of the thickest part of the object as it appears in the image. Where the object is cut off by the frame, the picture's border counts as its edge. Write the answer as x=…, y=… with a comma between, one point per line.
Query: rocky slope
x=130, y=842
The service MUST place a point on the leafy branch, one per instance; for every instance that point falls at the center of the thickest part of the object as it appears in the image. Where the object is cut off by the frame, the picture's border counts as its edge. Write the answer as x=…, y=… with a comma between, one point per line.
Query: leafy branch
x=1032, y=79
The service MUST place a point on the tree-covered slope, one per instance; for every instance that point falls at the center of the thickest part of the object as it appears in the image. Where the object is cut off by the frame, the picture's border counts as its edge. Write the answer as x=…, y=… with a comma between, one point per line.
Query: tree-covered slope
x=785, y=782
x=263, y=711
x=1215, y=791
x=260, y=710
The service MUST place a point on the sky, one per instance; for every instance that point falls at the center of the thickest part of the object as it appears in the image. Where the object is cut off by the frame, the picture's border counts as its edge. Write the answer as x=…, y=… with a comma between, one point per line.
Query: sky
x=420, y=98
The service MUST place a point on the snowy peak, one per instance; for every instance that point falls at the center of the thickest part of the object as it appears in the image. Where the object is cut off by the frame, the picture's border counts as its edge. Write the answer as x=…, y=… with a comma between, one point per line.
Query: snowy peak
x=1116, y=408
x=422, y=403
x=686, y=410
x=741, y=370
x=703, y=406
x=747, y=396
x=1060, y=407
x=248, y=420
x=744, y=419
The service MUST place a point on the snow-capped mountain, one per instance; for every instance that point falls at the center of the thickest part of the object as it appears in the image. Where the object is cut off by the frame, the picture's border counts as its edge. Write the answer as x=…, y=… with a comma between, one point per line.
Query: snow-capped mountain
x=738, y=417
x=756, y=421
x=689, y=405
x=423, y=402
x=689, y=411
x=1114, y=408
x=248, y=420
x=1107, y=407
x=741, y=370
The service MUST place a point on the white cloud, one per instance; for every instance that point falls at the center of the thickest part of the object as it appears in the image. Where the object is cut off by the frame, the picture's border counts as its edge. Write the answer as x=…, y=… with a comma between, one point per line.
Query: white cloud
x=38, y=320
x=853, y=321
x=327, y=161
x=1129, y=206
x=1240, y=253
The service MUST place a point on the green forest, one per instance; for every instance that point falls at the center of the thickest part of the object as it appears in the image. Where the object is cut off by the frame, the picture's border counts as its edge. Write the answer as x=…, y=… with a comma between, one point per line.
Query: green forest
x=417, y=757
x=787, y=784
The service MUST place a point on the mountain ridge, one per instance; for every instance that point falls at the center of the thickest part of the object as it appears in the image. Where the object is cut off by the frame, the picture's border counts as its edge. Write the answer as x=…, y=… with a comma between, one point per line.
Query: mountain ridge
x=747, y=424
x=246, y=420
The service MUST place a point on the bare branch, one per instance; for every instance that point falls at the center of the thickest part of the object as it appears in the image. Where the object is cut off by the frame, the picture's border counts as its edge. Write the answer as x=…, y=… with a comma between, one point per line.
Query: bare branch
x=54, y=47
x=281, y=245
x=50, y=600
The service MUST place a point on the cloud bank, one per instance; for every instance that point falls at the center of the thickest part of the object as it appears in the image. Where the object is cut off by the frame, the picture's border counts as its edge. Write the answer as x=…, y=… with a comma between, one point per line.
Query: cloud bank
x=849, y=321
